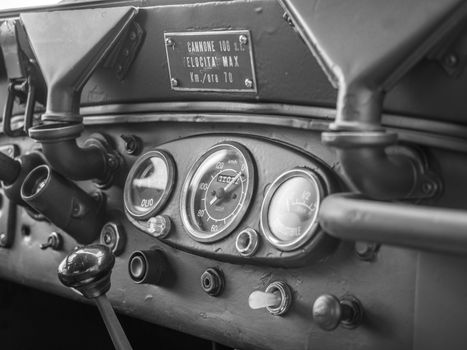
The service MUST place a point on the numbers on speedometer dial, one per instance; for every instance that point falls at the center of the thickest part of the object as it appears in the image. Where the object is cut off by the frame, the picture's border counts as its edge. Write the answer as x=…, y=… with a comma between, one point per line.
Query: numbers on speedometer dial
x=217, y=192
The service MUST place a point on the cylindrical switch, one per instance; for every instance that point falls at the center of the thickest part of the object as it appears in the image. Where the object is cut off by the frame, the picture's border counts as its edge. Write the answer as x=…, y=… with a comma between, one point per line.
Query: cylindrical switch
x=63, y=203
x=147, y=266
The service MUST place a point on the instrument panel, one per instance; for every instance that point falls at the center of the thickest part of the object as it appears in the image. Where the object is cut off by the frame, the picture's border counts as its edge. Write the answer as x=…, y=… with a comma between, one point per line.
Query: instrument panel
x=228, y=198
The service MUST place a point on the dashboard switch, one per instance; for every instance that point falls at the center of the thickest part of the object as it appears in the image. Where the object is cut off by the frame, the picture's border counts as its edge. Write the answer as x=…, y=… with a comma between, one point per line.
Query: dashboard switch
x=147, y=266
x=259, y=299
x=54, y=241
x=277, y=298
x=212, y=281
x=330, y=312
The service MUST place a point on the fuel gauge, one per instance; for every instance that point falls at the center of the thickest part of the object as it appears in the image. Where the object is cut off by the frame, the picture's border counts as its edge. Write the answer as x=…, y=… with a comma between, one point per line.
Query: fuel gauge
x=290, y=209
x=149, y=184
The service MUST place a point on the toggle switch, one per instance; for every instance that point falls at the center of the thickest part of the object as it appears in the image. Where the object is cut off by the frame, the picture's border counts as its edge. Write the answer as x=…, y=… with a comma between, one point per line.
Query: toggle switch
x=259, y=299
x=277, y=298
x=54, y=241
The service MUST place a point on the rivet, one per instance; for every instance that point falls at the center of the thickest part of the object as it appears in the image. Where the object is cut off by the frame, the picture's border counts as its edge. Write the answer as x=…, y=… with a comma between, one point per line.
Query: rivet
x=451, y=60
x=3, y=239
x=427, y=187
x=169, y=42
x=249, y=83
x=243, y=39
x=174, y=82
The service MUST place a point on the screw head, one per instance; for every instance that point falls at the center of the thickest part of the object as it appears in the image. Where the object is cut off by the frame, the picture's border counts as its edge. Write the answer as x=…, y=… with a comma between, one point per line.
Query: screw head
x=132, y=36
x=3, y=239
x=113, y=236
x=169, y=42
x=428, y=188
x=451, y=60
x=243, y=39
x=174, y=82
x=366, y=251
x=249, y=83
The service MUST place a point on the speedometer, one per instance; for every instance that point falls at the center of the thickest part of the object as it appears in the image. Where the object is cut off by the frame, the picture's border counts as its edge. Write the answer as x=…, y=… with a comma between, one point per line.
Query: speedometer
x=217, y=192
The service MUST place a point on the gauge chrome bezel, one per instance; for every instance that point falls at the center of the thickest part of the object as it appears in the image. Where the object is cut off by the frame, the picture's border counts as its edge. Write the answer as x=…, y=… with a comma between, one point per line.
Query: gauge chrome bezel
x=312, y=228
x=170, y=164
x=202, y=236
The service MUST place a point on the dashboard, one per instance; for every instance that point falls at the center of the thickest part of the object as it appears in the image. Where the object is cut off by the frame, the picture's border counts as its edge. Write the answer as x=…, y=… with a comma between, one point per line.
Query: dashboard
x=261, y=174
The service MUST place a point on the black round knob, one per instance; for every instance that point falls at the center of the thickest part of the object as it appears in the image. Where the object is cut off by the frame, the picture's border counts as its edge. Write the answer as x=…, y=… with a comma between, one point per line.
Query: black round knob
x=88, y=270
x=329, y=312
x=147, y=266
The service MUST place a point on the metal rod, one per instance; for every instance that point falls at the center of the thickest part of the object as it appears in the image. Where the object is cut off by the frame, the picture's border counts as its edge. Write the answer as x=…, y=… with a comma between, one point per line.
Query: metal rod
x=112, y=324
x=351, y=217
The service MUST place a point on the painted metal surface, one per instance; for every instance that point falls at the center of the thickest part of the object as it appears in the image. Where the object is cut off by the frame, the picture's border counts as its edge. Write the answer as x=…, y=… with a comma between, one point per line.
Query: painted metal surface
x=68, y=46
x=181, y=303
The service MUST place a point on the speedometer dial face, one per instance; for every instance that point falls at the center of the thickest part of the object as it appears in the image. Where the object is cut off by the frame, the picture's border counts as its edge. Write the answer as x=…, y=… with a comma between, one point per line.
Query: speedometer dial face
x=217, y=192
x=290, y=209
x=149, y=184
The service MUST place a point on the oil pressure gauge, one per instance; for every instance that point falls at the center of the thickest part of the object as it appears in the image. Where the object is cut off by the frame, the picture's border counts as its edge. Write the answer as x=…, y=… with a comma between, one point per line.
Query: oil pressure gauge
x=149, y=184
x=290, y=209
x=217, y=192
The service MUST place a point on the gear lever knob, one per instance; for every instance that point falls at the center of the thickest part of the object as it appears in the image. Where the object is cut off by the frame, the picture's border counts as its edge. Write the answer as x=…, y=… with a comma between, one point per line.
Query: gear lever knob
x=88, y=271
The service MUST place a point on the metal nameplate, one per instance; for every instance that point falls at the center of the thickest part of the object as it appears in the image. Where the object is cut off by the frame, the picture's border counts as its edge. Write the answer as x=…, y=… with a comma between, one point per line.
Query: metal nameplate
x=211, y=61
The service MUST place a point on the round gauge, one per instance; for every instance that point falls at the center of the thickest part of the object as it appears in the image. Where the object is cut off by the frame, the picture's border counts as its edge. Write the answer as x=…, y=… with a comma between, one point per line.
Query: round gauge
x=149, y=184
x=217, y=192
x=290, y=209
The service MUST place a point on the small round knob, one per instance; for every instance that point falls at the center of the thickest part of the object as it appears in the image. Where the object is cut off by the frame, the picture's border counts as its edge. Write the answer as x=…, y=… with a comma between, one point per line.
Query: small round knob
x=329, y=312
x=88, y=270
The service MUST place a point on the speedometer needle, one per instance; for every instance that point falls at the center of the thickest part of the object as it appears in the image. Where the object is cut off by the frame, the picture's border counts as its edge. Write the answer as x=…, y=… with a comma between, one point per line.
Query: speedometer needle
x=225, y=189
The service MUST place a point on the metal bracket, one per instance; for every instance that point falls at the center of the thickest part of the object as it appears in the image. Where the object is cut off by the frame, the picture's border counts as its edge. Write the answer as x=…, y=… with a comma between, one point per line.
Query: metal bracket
x=23, y=90
x=451, y=54
x=7, y=207
x=428, y=184
x=22, y=73
x=124, y=53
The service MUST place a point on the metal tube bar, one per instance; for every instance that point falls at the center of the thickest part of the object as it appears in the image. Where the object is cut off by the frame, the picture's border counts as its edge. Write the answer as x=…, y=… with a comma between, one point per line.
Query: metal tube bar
x=112, y=323
x=351, y=217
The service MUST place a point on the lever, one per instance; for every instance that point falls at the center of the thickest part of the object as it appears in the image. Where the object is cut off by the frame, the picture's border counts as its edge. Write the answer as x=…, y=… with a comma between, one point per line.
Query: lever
x=277, y=298
x=259, y=299
x=87, y=270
